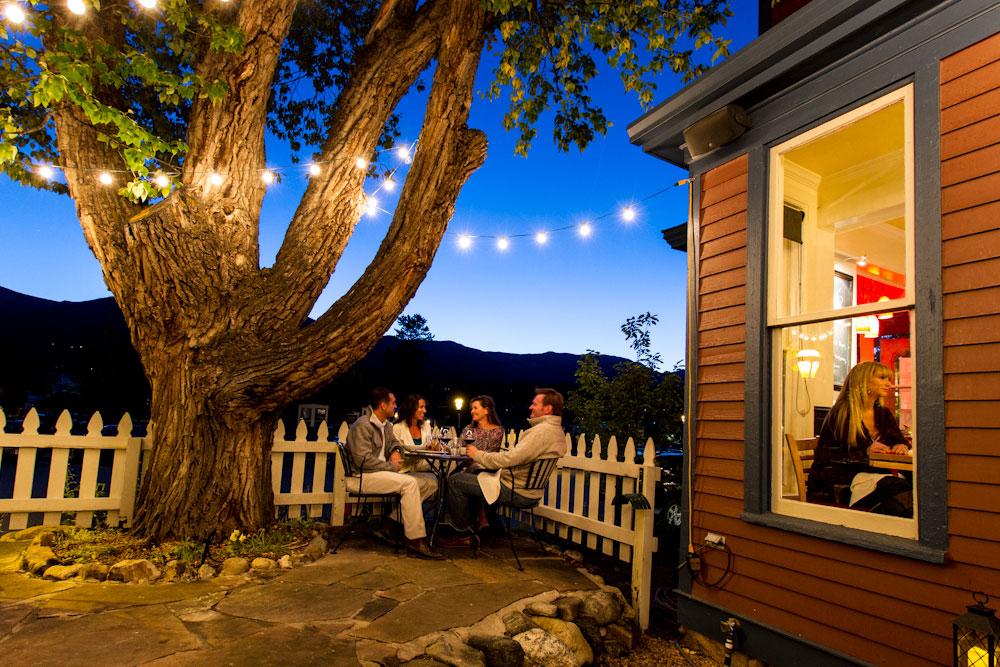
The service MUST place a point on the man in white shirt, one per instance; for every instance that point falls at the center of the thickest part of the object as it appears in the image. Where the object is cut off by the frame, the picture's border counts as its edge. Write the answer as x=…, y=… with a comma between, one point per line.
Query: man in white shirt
x=374, y=449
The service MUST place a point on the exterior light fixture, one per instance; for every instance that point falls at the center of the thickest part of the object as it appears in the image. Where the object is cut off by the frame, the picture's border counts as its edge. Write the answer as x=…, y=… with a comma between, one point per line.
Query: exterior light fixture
x=459, y=402
x=976, y=635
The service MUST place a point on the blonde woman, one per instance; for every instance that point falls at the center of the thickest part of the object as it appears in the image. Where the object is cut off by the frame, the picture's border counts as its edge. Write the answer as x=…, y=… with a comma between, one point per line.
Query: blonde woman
x=860, y=425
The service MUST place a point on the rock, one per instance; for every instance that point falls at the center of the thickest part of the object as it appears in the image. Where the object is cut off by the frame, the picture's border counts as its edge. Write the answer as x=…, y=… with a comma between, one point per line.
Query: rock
x=620, y=634
x=173, y=570
x=206, y=571
x=498, y=651
x=603, y=607
x=93, y=572
x=317, y=548
x=570, y=635
x=542, y=609
x=33, y=532
x=544, y=650
x=592, y=633
x=285, y=562
x=573, y=554
x=451, y=651
x=516, y=623
x=263, y=564
x=46, y=539
x=37, y=559
x=133, y=571
x=62, y=572
x=423, y=661
x=234, y=567
x=568, y=606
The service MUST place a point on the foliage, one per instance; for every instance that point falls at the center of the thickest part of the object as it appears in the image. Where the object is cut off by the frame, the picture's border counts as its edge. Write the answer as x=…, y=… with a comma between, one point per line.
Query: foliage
x=413, y=327
x=637, y=401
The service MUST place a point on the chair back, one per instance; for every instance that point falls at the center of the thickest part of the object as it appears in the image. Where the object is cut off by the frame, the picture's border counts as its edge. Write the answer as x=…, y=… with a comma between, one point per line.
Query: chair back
x=539, y=472
x=803, y=453
x=345, y=458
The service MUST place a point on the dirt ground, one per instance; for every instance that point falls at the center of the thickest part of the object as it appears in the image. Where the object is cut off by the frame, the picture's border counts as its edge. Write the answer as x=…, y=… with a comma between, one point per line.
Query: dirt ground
x=656, y=651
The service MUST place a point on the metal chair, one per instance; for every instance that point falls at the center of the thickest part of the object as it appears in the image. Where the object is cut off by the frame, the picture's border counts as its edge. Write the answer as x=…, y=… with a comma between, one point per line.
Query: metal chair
x=363, y=508
x=539, y=472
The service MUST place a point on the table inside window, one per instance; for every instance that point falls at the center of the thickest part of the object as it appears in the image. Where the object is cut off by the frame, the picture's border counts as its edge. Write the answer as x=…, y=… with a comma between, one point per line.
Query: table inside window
x=902, y=462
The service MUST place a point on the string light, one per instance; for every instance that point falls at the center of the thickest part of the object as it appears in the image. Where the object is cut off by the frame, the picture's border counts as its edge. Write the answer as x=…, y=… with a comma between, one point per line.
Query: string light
x=503, y=243
x=541, y=238
x=105, y=178
x=13, y=13
x=267, y=176
x=45, y=171
x=628, y=214
x=862, y=261
x=389, y=185
x=314, y=169
x=585, y=230
x=161, y=181
x=403, y=153
x=371, y=206
x=361, y=163
x=148, y=4
x=214, y=178
x=77, y=7
x=464, y=241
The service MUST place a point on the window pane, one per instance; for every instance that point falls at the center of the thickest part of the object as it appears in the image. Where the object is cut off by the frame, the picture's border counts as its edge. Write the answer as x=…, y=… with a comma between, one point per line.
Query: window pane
x=842, y=208
x=821, y=462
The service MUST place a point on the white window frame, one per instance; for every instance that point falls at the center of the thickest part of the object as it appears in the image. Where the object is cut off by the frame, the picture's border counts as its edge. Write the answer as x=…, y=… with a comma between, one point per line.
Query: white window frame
x=876, y=523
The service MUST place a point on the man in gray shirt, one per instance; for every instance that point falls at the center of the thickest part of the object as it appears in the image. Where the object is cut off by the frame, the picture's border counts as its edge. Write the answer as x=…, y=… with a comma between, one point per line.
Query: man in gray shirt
x=374, y=449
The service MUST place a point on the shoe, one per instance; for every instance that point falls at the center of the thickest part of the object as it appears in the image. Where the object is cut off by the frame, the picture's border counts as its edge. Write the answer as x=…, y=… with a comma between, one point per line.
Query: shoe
x=385, y=535
x=455, y=542
x=419, y=549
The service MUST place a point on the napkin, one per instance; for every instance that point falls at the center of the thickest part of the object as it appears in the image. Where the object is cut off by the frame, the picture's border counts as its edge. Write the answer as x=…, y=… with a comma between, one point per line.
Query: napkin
x=489, y=483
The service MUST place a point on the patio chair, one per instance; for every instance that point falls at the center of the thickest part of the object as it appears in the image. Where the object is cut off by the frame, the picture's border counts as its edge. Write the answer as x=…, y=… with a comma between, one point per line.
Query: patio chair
x=803, y=452
x=539, y=472
x=363, y=507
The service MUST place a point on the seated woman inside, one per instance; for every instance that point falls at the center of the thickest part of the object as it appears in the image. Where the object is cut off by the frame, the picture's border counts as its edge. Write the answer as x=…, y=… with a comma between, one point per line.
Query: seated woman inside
x=858, y=426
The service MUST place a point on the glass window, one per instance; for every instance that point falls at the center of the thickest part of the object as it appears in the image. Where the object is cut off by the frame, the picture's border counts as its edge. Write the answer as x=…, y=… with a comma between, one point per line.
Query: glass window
x=841, y=320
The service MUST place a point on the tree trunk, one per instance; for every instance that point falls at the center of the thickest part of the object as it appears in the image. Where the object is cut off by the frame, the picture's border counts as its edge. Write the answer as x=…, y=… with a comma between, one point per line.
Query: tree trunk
x=210, y=467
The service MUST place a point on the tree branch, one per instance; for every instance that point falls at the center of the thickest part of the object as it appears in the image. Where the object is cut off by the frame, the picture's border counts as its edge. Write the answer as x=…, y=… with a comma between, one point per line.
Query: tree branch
x=449, y=153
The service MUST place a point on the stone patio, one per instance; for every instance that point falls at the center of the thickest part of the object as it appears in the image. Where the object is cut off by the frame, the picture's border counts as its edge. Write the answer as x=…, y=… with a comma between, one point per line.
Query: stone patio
x=364, y=605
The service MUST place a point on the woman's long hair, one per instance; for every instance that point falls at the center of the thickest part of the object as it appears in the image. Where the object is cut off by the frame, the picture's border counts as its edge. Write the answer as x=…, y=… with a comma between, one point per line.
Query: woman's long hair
x=491, y=409
x=846, y=412
x=408, y=410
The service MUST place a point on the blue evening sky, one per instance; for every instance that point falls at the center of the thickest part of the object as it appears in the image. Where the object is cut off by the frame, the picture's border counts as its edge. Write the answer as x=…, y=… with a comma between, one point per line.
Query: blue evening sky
x=569, y=296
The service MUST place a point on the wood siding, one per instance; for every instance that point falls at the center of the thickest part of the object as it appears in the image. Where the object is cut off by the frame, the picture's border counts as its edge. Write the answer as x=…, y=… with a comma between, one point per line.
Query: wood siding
x=881, y=608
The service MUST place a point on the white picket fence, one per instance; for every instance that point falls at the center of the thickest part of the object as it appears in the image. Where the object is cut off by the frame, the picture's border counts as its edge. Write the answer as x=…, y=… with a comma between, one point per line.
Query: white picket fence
x=578, y=506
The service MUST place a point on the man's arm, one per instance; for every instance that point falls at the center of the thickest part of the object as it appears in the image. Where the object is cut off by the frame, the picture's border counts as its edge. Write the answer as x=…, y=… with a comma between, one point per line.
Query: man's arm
x=364, y=449
x=527, y=450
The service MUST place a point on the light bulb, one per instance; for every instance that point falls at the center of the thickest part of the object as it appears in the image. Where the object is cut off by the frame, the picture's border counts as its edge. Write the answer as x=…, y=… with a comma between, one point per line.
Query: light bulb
x=161, y=181
x=267, y=176
x=45, y=171
x=371, y=206
x=13, y=13
x=464, y=241
x=503, y=243
x=215, y=178
x=314, y=170
x=541, y=238
x=148, y=4
x=628, y=214
x=361, y=163
x=862, y=261
x=585, y=230
x=389, y=185
x=77, y=7
x=105, y=178
x=403, y=153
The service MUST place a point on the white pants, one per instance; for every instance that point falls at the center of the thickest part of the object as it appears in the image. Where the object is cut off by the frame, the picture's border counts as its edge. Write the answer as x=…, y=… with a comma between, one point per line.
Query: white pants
x=413, y=489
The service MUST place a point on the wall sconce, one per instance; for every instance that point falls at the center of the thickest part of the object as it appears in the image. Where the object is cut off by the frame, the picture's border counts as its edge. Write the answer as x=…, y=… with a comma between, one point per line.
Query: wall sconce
x=866, y=326
x=976, y=635
x=807, y=362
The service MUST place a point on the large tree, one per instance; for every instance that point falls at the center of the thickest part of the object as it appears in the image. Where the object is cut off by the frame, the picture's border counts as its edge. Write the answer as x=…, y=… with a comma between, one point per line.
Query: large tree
x=173, y=102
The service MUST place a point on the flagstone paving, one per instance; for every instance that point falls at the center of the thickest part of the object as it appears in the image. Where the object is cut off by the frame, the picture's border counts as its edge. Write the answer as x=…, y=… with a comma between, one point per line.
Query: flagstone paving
x=363, y=605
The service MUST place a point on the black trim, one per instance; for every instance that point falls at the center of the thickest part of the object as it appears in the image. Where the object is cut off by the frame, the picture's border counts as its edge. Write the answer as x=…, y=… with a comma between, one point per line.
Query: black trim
x=758, y=640
x=676, y=236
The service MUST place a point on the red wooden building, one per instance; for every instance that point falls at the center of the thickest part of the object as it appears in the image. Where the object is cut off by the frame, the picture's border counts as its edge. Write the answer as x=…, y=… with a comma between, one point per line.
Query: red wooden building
x=845, y=174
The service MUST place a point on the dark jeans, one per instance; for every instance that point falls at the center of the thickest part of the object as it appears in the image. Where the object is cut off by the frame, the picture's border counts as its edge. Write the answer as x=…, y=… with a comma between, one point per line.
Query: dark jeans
x=465, y=498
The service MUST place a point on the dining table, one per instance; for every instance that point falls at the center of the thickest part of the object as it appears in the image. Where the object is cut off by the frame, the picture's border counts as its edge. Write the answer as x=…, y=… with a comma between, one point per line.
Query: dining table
x=443, y=464
x=901, y=462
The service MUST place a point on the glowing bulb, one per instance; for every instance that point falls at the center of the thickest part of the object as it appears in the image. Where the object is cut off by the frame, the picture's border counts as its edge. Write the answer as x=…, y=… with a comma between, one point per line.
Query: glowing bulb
x=503, y=243
x=45, y=171
x=403, y=153
x=371, y=206
x=267, y=176
x=361, y=163
x=161, y=181
x=541, y=238
x=105, y=178
x=628, y=214
x=77, y=7
x=314, y=170
x=13, y=13
x=389, y=185
x=862, y=261
x=464, y=241
x=215, y=178
x=148, y=4
x=585, y=230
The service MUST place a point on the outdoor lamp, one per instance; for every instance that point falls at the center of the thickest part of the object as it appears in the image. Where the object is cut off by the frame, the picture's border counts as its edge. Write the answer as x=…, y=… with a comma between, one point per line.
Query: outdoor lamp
x=976, y=635
x=458, y=409
x=807, y=361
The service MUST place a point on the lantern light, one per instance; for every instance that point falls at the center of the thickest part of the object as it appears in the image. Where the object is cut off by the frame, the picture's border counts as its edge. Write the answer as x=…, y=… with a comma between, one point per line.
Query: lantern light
x=807, y=362
x=976, y=635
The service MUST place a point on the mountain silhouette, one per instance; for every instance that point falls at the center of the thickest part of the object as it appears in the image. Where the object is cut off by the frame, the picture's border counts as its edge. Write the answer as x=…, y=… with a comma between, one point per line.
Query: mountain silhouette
x=77, y=355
